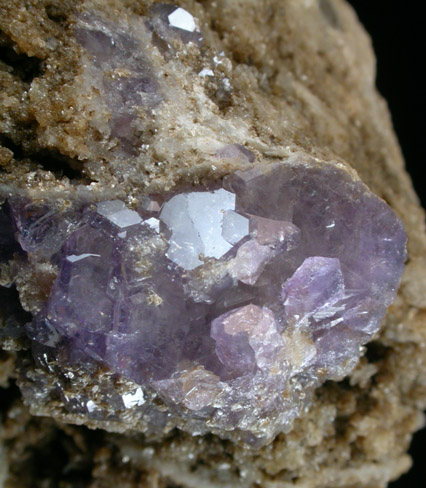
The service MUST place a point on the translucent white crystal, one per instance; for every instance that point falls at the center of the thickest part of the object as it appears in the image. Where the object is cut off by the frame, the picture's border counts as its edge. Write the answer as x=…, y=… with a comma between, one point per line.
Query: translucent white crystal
x=117, y=213
x=110, y=207
x=153, y=223
x=195, y=220
x=205, y=72
x=135, y=399
x=181, y=19
x=91, y=406
x=73, y=258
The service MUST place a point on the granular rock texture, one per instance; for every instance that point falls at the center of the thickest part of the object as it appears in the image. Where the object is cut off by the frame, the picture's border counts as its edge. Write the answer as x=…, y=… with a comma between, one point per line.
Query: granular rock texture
x=148, y=123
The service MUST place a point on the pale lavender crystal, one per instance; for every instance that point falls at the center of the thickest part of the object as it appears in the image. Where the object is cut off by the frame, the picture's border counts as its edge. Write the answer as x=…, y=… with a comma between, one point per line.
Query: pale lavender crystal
x=151, y=206
x=122, y=73
x=314, y=289
x=274, y=232
x=246, y=338
x=42, y=227
x=237, y=152
x=250, y=261
x=231, y=303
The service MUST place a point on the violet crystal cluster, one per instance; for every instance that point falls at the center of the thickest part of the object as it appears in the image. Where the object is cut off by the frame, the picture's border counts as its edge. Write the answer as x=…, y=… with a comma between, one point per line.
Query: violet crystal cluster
x=230, y=303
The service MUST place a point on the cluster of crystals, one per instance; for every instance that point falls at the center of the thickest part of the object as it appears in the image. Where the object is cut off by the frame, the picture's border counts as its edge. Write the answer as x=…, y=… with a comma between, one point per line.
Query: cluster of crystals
x=121, y=69
x=230, y=302
x=123, y=72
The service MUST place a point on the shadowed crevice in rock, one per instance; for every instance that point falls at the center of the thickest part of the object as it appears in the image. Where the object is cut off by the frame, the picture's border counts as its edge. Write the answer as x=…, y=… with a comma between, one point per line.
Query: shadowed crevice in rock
x=25, y=67
x=49, y=159
x=8, y=243
x=56, y=11
x=12, y=316
x=52, y=456
x=376, y=352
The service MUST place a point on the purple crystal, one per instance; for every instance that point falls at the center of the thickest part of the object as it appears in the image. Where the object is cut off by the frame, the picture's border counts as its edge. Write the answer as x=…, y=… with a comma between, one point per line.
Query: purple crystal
x=121, y=72
x=250, y=261
x=237, y=152
x=274, y=232
x=42, y=227
x=238, y=295
x=246, y=338
x=314, y=289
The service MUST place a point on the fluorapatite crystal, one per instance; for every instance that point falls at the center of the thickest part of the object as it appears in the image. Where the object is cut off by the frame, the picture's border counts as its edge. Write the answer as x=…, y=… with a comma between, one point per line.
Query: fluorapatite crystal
x=230, y=302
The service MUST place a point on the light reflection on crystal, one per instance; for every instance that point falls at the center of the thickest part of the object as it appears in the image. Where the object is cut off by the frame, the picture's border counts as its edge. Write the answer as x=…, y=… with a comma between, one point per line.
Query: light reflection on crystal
x=234, y=227
x=134, y=399
x=195, y=221
x=206, y=72
x=181, y=19
x=172, y=23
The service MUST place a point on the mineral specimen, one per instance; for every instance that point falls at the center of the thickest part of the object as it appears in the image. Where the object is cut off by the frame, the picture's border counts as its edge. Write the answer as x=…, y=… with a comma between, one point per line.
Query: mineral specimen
x=188, y=249
x=231, y=297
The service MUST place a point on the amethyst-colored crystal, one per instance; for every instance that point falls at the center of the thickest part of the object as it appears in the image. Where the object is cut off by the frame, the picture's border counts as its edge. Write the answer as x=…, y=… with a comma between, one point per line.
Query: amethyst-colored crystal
x=226, y=301
x=237, y=152
x=122, y=73
x=315, y=289
x=246, y=338
x=42, y=227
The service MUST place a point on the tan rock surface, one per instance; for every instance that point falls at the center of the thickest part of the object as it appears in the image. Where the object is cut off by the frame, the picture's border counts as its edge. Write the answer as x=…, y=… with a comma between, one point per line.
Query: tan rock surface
x=302, y=74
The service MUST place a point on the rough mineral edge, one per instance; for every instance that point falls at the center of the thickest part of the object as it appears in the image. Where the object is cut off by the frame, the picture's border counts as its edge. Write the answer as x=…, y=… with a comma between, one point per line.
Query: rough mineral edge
x=378, y=436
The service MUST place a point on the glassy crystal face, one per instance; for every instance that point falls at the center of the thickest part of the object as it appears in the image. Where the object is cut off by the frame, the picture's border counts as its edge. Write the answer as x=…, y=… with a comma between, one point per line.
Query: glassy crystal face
x=233, y=303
